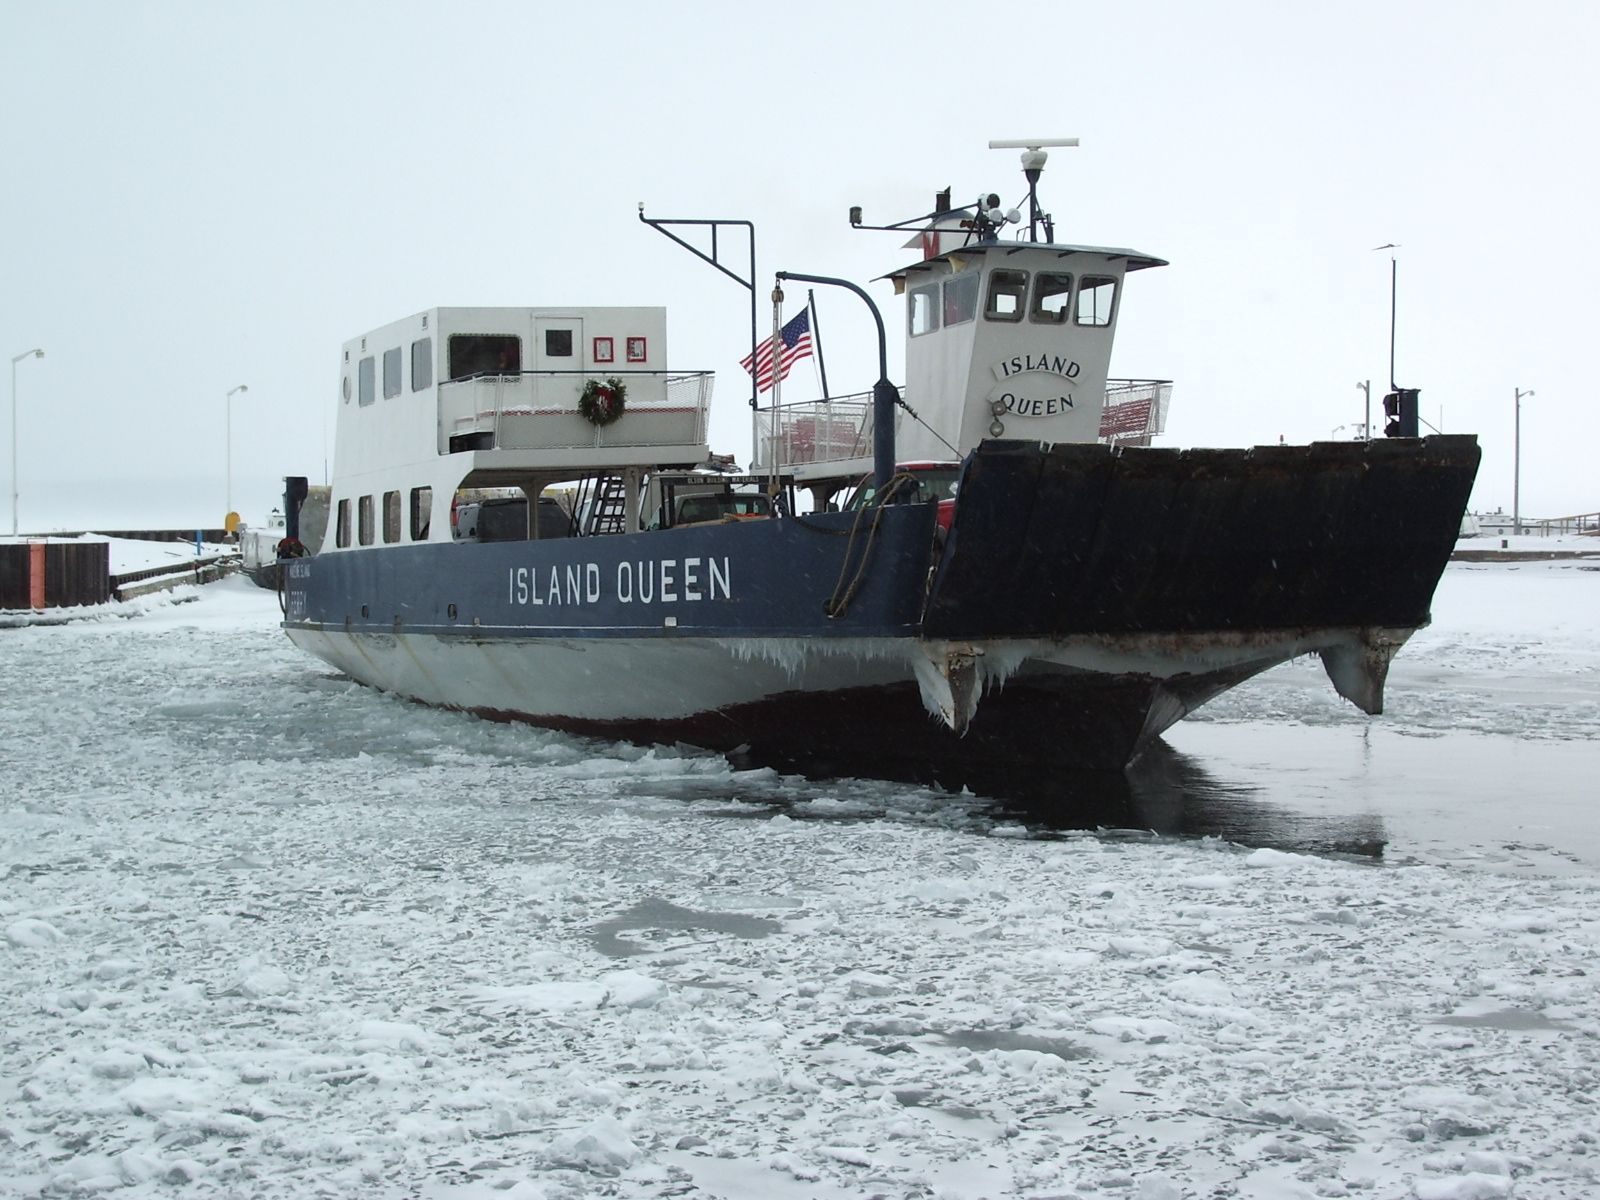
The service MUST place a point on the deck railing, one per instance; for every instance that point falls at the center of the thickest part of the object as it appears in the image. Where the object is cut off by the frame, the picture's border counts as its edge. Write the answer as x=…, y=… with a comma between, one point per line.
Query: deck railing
x=818, y=431
x=839, y=430
x=538, y=410
x=1135, y=410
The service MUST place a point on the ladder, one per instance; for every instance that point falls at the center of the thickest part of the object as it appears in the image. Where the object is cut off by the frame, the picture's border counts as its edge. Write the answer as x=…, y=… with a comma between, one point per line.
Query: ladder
x=608, y=513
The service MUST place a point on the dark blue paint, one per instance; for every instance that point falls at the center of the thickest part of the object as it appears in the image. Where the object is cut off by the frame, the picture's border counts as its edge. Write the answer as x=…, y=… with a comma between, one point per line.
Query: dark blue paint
x=779, y=576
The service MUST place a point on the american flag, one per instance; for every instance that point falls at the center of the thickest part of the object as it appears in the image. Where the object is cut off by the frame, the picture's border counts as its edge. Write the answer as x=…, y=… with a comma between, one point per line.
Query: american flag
x=796, y=337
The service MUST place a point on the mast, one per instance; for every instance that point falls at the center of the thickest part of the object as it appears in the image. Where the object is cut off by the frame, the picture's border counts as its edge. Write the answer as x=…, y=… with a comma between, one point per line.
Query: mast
x=1033, y=160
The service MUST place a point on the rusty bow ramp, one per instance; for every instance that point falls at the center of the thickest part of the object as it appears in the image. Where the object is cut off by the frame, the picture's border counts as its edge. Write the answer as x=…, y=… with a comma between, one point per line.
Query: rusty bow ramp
x=1172, y=563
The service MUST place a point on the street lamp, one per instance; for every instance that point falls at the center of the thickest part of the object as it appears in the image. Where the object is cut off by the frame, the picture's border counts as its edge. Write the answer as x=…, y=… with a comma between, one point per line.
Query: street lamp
x=15, y=359
x=1516, y=466
x=1365, y=386
x=227, y=455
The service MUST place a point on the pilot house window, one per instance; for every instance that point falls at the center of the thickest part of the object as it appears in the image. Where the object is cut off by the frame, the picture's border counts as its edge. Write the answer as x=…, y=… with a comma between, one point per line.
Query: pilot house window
x=1051, y=292
x=924, y=309
x=485, y=354
x=367, y=380
x=960, y=298
x=1008, y=292
x=1095, y=297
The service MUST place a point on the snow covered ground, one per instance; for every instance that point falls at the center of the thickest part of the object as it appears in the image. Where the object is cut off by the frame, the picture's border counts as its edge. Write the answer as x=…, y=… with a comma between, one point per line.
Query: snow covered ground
x=266, y=933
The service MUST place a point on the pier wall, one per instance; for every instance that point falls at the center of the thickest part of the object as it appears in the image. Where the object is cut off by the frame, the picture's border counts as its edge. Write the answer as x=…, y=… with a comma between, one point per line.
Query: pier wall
x=54, y=574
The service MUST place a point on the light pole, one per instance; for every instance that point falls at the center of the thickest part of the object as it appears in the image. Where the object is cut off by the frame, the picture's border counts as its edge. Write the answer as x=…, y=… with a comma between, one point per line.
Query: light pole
x=1516, y=465
x=1366, y=386
x=227, y=455
x=15, y=359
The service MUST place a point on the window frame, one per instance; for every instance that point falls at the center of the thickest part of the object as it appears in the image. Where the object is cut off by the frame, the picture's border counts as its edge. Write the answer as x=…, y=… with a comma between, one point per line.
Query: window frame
x=930, y=292
x=1037, y=313
x=1087, y=285
x=484, y=344
x=962, y=292
x=425, y=375
x=391, y=516
x=1018, y=292
x=421, y=513
x=366, y=532
x=393, y=367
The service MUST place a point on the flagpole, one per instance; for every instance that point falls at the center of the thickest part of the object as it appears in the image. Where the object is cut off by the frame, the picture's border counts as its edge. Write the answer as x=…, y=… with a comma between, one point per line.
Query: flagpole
x=816, y=339
x=777, y=382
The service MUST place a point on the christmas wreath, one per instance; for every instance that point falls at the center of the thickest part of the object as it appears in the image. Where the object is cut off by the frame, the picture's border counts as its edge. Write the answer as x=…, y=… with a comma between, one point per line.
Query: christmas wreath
x=602, y=403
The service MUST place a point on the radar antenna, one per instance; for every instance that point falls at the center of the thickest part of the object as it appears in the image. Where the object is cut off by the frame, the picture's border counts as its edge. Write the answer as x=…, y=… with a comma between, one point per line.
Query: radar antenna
x=1033, y=160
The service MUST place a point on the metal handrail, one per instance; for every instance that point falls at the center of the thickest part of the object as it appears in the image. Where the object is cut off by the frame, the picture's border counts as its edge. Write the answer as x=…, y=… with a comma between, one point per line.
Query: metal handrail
x=491, y=399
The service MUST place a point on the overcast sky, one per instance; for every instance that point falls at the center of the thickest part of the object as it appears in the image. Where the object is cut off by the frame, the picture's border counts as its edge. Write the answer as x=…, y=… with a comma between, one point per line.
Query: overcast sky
x=198, y=195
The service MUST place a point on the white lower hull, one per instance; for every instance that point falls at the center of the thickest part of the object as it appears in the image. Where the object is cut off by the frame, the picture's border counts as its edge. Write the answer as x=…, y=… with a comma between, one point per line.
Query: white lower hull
x=649, y=687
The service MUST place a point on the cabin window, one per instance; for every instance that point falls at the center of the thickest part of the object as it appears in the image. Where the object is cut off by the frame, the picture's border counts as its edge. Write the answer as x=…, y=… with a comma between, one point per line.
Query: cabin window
x=1008, y=295
x=924, y=309
x=558, y=344
x=391, y=373
x=422, y=364
x=485, y=354
x=364, y=530
x=344, y=524
x=960, y=298
x=1052, y=290
x=1095, y=297
x=421, y=513
x=391, y=516
x=368, y=389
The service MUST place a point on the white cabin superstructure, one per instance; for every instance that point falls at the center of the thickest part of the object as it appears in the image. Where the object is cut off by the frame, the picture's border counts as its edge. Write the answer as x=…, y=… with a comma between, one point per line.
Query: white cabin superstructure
x=457, y=398
x=1003, y=340
x=1009, y=339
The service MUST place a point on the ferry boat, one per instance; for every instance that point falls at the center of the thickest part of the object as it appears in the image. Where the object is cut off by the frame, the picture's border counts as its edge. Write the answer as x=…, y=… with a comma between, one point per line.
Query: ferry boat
x=1073, y=595
x=258, y=550
x=262, y=549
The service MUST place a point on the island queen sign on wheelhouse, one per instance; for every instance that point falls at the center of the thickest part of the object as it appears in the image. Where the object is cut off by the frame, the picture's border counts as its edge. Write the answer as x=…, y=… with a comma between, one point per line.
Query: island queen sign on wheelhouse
x=1011, y=393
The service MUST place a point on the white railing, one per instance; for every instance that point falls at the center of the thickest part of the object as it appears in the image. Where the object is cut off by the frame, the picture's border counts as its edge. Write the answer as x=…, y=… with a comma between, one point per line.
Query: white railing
x=817, y=431
x=539, y=411
x=1135, y=410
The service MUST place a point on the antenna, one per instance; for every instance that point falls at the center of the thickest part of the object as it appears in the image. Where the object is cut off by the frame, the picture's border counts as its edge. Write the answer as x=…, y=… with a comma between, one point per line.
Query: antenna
x=1029, y=143
x=1033, y=160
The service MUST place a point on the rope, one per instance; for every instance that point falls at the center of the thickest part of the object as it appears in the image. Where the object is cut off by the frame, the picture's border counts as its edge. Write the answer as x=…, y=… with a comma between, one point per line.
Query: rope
x=839, y=603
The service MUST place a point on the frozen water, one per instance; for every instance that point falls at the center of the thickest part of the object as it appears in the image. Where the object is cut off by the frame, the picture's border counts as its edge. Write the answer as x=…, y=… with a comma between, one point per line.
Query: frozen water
x=268, y=933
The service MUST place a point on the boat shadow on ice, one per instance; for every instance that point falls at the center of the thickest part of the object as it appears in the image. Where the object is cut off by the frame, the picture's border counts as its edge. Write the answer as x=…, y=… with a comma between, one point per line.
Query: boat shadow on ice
x=1165, y=793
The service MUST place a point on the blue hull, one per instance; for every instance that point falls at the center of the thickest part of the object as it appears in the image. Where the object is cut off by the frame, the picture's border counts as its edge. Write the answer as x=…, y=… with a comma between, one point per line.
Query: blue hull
x=1083, y=601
